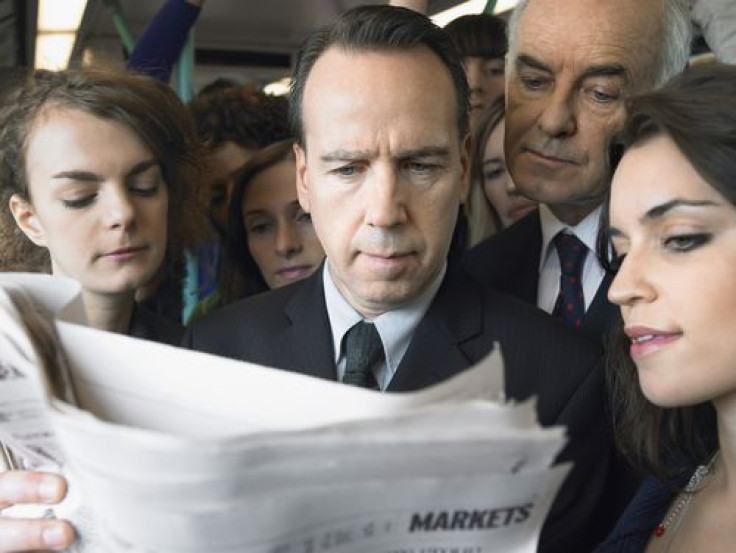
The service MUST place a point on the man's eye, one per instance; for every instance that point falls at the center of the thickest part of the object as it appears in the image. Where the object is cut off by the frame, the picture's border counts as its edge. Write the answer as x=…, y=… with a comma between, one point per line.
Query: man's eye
x=532, y=82
x=347, y=171
x=603, y=97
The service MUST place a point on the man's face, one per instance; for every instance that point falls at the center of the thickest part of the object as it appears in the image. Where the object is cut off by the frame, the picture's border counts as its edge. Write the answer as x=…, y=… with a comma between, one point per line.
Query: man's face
x=383, y=171
x=576, y=61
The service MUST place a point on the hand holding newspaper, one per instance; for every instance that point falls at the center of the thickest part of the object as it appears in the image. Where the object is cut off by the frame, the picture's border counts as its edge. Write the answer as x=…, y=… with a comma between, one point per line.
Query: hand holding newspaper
x=176, y=451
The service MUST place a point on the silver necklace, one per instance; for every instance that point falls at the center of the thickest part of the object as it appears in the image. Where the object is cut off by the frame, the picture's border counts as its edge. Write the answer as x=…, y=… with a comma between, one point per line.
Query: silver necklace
x=672, y=521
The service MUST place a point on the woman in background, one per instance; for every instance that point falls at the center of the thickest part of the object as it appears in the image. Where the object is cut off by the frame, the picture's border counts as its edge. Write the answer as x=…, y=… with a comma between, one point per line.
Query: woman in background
x=493, y=202
x=481, y=40
x=673, y=376
x=270, y=238
x=96, y=170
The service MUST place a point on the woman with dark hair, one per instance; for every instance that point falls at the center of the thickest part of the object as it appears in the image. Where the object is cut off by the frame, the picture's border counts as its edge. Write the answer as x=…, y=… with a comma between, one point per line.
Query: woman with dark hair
x=270, y=238
x=481, y=41
x=96, y=174
x=673, y=370
x=493, y=202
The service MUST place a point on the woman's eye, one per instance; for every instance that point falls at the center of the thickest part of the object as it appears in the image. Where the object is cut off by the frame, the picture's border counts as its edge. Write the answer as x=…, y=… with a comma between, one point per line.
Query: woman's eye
x=145, y=190
x=686, y=242
x=78, y=203
x=494, y=174
x=304, y=217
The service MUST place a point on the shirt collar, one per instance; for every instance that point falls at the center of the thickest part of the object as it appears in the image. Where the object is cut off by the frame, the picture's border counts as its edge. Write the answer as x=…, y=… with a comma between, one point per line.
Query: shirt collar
x=396, y=327
x=586, y=230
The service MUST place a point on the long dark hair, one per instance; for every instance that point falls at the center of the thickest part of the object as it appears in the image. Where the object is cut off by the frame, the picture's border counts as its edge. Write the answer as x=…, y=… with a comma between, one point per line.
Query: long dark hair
x=241, y=276
x=698, y=112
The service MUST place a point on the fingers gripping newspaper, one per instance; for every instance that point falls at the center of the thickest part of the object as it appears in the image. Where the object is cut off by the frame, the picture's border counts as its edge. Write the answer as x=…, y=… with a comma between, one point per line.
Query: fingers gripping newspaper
x=169, y=450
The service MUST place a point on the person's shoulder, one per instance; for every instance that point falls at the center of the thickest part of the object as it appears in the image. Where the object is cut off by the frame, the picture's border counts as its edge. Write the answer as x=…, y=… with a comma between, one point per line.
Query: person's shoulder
x=645, y=511
x=499, y=258
x=525, y=229
x=259, y=308
x=147, y=325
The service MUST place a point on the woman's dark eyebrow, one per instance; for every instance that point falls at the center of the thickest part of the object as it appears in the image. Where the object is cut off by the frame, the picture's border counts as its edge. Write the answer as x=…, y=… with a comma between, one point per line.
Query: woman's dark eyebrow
x=89, y=176
x=660, y=210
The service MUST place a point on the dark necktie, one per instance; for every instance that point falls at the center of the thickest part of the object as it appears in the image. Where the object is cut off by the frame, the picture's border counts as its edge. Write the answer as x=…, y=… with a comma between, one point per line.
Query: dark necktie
x=570, y=305
x=363, y=349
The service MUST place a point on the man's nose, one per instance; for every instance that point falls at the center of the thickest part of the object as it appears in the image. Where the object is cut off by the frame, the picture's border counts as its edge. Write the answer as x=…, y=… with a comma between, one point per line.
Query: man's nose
x=558, y=117
x=385, y=199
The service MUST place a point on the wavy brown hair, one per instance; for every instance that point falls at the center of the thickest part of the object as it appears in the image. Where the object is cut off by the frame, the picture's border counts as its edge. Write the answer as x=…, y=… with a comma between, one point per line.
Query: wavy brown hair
x=149, y=109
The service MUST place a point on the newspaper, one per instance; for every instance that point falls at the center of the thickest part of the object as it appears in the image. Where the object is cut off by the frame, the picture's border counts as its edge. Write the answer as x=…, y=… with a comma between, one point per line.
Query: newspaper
x=169, y=450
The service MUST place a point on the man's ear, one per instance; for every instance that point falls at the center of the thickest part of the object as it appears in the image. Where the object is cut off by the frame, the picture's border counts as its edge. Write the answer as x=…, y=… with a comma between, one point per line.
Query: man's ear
x=26, y=218
x=465, y=152
x=302, y=190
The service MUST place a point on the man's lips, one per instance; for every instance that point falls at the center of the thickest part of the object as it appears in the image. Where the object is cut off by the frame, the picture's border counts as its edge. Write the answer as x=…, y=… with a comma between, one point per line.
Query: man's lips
x=550, y=157
x=646, y=340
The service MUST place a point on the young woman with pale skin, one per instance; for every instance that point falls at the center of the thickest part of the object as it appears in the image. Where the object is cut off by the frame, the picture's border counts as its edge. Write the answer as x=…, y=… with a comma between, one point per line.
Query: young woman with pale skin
x=90, y=163
x=493, y=200
x=270, y=239
x=673, y=375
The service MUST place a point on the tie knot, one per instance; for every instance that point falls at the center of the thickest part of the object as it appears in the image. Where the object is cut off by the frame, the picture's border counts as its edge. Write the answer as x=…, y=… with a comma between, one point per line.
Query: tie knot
x=363, y=349
x=571, y=252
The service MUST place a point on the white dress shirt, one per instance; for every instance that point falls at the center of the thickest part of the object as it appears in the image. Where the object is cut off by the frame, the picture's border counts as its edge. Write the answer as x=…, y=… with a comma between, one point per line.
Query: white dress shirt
x=395, y=327
x=549, y=262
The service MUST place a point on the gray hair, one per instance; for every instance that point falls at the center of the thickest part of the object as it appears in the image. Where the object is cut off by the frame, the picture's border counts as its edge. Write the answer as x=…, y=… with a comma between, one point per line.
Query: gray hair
x=671, y=58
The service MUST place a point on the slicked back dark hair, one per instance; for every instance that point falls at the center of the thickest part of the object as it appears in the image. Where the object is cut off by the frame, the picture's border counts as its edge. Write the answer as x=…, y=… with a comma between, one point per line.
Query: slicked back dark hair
x=378, y=29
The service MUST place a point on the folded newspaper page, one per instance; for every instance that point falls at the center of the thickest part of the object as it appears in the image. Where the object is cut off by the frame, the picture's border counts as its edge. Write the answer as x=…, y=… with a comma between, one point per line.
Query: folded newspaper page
x=169, y=450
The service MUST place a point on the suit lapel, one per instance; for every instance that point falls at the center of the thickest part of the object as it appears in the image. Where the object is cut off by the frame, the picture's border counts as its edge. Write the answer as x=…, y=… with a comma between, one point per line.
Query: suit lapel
x=306, y=341
x=601, y=314
x=437, y=350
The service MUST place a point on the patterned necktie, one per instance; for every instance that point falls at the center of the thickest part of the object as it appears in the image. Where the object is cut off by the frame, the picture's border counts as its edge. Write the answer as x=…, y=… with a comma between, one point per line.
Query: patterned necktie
x=363, y=349
x=570, y=305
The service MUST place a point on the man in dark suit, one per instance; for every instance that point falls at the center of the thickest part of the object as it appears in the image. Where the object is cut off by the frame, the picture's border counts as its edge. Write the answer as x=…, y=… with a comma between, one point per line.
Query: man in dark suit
x=380, y=113
x=571, y=64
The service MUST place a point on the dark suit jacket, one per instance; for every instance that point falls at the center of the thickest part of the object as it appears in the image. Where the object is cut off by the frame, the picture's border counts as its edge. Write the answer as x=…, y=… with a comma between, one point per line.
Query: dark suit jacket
x=289, y=328
x=509, y=262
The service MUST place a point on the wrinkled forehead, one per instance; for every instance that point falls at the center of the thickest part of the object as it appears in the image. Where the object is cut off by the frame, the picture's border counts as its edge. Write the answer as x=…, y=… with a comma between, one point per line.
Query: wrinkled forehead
x=593, y=32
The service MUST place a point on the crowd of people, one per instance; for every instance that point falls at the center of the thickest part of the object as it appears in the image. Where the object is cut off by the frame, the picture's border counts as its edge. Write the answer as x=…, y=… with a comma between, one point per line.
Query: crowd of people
x=568, y=194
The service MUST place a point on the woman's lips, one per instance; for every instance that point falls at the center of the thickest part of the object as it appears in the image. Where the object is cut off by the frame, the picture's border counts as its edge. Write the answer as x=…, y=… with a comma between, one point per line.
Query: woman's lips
x=294, y=273
x=645, y=341
x=123, y=254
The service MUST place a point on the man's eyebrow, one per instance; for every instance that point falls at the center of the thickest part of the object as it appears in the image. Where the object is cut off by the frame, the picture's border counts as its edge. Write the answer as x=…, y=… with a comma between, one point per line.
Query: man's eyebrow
x=412, y=153
x=534, y=63
x=347, y=155
x=428, y=151
x=605, y=70
x=660, y=210
x=89, y=176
